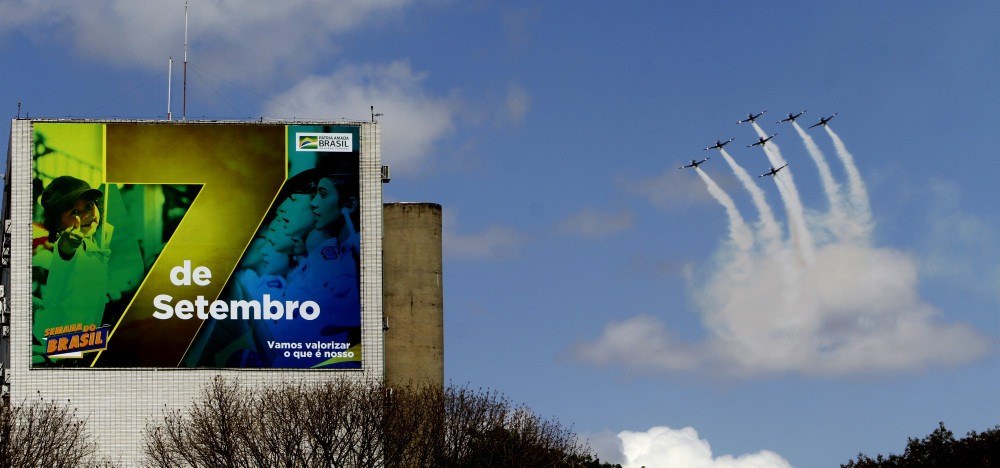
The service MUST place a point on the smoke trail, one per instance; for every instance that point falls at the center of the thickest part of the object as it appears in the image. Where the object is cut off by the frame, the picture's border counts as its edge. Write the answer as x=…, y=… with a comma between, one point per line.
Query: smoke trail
x=801, y=237
x=836, y=220
x=830, y=186
x=739, y=233
x=858, y=192
x=775, y=159
x=769, y=225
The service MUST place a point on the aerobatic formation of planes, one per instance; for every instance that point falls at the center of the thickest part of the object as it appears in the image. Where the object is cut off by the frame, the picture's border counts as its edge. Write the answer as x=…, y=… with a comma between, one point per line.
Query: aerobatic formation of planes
x=761, y=141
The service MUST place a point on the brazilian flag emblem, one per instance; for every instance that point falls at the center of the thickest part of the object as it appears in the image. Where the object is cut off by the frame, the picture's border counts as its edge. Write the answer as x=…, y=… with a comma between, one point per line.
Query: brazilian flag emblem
x=308, y=142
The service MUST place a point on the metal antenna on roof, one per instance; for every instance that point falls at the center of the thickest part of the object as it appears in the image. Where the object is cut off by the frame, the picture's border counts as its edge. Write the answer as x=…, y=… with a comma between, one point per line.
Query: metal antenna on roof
x=170, y=79
x=184, y=98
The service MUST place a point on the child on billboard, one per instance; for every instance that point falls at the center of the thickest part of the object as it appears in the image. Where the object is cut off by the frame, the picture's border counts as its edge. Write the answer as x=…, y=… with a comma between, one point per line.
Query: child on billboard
x=79, y=282
x=76, y=289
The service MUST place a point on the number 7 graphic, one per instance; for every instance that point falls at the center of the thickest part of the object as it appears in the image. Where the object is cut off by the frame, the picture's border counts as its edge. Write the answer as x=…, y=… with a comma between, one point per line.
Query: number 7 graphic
x=241, y=169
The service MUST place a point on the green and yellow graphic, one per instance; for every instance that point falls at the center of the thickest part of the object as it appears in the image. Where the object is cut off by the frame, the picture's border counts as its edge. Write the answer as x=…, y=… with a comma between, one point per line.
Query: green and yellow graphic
x=194, y=245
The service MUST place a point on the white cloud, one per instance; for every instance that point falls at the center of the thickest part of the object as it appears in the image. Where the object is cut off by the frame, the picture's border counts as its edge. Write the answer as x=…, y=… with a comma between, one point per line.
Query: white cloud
x=960, y=247
x=413, y=120
x=244, y=40
x=491, y=243
x=643, y=343
x=663, y=447
x=670, y=190
x=594, y=224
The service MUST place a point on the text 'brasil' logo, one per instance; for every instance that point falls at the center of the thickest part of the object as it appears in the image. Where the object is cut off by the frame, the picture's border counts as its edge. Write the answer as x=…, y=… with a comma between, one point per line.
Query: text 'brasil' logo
x=334, y=142
x=75, y=338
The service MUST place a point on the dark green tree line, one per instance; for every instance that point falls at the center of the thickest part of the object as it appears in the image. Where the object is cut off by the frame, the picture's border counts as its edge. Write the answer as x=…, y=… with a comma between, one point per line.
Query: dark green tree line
x=940, y=449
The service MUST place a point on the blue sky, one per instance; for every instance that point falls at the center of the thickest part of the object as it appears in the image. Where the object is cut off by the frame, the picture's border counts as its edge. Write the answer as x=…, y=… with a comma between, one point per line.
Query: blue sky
x=586, y=276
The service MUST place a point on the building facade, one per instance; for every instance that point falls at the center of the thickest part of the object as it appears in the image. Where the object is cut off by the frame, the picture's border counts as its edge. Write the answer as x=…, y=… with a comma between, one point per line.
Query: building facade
x=144, y=258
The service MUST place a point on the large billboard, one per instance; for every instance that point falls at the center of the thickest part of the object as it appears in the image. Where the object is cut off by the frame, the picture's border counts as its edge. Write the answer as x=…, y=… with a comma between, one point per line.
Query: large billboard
x=161, y=245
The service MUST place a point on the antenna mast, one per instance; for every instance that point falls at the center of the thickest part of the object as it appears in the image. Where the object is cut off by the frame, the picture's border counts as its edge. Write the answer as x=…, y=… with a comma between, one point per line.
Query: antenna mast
x=185, y=90
x=170, y=77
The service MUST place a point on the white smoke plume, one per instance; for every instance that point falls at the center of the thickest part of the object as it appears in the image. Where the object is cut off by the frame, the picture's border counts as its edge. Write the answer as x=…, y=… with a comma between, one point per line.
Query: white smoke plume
x=770, y=230
x=830, y=186
x=858, y=194
x=801, y=238
x=739, y=233
x=854, y=308
x=775, y=158
x=836, y=222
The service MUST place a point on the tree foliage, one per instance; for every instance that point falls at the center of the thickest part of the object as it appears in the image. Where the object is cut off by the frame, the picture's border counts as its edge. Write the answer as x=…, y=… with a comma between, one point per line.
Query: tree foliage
x=940, y=449
x=358, y=424
x=45, y=433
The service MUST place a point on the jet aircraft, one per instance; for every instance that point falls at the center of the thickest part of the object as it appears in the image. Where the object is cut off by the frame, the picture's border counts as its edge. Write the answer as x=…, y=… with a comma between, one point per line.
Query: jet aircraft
x=772, y=172
x=719, y=144
x=694, y=163
x=823, y=120
x=761, y=141
x=751, y=117
x=791, y=117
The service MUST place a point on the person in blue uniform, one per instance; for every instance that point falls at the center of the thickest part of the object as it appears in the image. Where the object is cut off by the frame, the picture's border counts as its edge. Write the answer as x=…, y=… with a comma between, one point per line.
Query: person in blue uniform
x=327, y=274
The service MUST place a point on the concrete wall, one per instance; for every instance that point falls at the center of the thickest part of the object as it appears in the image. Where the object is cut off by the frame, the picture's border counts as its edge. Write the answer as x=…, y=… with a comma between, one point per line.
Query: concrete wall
x=413, y=298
